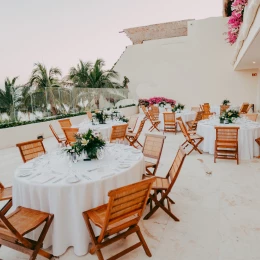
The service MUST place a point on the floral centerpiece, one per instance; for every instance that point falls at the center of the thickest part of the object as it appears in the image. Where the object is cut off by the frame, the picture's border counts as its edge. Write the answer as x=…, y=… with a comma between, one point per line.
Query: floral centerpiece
x=225, y=102
x=161, y=101
x=178, y=107
x=235, y=20
x=229, y=116
x=101, y=116
x=88, y=143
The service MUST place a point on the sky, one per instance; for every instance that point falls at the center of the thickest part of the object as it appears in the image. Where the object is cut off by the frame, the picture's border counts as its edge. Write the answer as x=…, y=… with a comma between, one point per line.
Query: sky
x=60, y=32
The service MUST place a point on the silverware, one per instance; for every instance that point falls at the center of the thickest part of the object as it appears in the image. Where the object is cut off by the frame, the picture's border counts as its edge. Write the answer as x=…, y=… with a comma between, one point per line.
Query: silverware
x=93, y=169
x=58, y=180
x=86, y=177
x=34, y=176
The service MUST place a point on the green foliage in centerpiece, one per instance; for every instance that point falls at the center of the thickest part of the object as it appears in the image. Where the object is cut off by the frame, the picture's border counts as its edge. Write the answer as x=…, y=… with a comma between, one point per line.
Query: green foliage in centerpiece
x=123, y=119
x=225, y=102
x=89, y=142
x=178, y=107
x=229, y=115
x=101, y=117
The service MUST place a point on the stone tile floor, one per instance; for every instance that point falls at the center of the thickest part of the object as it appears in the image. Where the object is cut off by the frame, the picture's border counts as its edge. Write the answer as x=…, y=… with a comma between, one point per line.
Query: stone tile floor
x=219, y=213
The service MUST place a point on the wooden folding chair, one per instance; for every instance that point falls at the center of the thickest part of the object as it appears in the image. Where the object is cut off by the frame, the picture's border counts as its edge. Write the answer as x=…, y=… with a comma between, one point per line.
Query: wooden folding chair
x=224, y=108
x=132, y=124
x=89, y=115
x=132, y=138
x=17, y=224
x=252, y=117
x=155, y=111
x=145, y=111
x=189, y=131
x=60, y=139
x=206, y=116
x=31, y=149
x=192, y=125
x=6, y=194
x=206, y=108
x=170, y=124
x=121, y=214
x=70, y=133
x=196, y=109
x=244, y=109
x=226, y=143
x=152, y=150
x=164, y=187
x=118, y=132
x=191, y=139
x=65, y=122
x=155, y=123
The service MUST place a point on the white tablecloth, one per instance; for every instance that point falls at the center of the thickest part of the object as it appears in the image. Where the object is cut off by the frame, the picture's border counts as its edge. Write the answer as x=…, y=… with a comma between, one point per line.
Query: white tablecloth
x=105, y=129
x=247, y=134
x=186, y=116
x=67, y=201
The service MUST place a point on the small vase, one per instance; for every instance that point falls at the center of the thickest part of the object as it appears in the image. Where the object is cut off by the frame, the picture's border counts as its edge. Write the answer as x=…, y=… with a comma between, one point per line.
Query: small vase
x=226, y=121
x=86, y=157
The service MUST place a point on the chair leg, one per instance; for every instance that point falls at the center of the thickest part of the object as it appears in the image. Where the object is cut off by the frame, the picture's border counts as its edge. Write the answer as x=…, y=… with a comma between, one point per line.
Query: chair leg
x=172, y=202
x=145, y=247
x=37, y=249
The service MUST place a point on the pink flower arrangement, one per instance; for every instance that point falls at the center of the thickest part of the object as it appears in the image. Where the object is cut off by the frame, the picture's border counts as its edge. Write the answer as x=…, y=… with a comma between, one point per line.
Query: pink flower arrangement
x=235, y=20
x=157, y=100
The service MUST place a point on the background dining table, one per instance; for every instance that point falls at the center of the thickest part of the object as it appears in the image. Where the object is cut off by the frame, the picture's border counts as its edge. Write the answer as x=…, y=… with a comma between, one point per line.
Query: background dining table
x=52, y=183
x=248, y=132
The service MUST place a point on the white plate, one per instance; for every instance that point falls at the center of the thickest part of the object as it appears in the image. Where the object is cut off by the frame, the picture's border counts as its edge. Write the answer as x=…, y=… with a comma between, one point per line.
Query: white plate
x=73, y=179
x=124, y=166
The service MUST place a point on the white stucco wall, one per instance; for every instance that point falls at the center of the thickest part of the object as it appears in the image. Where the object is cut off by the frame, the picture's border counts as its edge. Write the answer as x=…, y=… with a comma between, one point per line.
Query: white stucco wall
x=192, y=69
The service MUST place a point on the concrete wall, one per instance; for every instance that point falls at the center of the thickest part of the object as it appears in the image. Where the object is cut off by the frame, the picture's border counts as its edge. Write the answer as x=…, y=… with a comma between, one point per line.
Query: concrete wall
x=11, y=136
x=192, y=69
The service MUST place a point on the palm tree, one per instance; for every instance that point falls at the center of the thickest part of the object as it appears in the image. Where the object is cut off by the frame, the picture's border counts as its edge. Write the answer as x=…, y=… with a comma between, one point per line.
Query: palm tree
x=45, y=81
x=9, y=97
x=79, y=74
x=99, y=78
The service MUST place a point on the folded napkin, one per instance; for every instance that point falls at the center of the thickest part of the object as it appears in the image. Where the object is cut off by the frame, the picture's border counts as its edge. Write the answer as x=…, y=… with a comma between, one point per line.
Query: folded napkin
x=44, y=178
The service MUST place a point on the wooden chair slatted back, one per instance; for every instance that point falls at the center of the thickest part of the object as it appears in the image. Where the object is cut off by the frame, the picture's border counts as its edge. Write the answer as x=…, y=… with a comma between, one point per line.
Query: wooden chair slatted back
x=132, y=122
x=69, y=133
x=224, y=108
x=198, y=116
x=183, y=128
x=153, y=146
x=54, y=133
x=206, y=116
x=176, y=166
x=252, y=117
x=89, y=115
x=206, y=108
x=140, y=129
x=126, y=205
x=169, y=117
x=118, y=132
x=31, y=149
x=144, y=109
x=226, y=134
x=244, y=108
x=65, y=122
x=155, y=111
x=151, y=116
x=196, y=109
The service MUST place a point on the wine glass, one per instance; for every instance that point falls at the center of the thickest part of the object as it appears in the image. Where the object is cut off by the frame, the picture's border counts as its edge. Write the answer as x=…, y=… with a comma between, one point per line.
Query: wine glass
x=100, y=154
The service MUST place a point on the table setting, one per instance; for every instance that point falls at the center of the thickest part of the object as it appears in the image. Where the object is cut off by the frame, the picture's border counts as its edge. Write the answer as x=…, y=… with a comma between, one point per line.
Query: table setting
x=248, y=132
x=63, y=183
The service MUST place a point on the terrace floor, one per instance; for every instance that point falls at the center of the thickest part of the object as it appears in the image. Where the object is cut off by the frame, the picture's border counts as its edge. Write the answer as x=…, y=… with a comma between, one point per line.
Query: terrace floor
x=219, y=213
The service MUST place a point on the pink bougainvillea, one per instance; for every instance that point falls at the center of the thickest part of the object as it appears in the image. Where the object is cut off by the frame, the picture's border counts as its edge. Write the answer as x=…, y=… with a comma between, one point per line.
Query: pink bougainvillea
x=157, y=100
x=235, y=20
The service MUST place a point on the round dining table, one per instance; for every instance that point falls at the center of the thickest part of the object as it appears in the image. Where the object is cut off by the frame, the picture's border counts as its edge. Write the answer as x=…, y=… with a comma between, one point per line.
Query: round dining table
x=248, y=132
x=104, y=129
x=216, y=108
x=185, y=115
x=52, y=183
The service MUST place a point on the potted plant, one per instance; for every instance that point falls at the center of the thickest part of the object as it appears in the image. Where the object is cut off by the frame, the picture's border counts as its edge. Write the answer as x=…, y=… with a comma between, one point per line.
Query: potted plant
x=230, y=116
x=88, y=143
x=178, y=108
x=225, y=102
